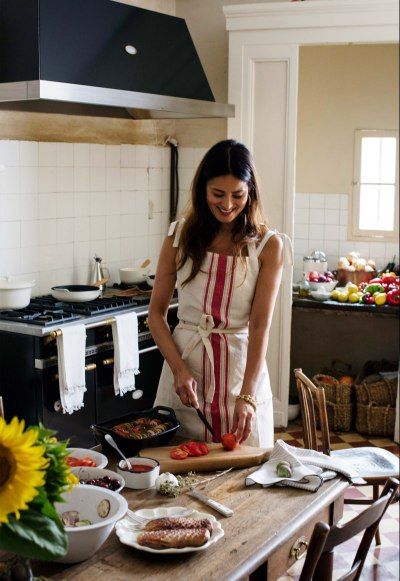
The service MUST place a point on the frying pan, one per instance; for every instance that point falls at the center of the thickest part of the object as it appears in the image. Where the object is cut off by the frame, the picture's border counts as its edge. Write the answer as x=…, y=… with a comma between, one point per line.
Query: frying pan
x=75, y=293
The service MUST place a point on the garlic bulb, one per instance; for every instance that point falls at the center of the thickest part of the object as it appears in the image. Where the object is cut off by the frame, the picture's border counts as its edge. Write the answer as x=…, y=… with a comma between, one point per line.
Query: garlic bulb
x=166, y=479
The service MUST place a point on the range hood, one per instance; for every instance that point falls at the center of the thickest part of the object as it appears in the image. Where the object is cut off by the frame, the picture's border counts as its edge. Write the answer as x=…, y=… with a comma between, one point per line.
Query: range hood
x=102, y=58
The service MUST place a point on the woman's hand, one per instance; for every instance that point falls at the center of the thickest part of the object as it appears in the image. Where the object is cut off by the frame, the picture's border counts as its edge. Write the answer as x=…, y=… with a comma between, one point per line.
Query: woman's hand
x=186, y=387
x=243, y=417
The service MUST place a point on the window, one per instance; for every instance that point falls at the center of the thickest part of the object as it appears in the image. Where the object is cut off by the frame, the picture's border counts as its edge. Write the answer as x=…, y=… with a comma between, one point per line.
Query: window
x=375, y=196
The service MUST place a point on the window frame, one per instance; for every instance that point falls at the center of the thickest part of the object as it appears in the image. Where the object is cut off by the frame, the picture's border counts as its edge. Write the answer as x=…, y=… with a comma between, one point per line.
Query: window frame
x=355, y=232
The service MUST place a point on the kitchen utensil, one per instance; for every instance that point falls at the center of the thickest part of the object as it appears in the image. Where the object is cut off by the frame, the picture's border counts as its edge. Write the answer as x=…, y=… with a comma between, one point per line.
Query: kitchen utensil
x=99, y=272
x=129, y=446
x=139, y=480
x=323, y=286
x=315, y=262
x=146, y=263
x=128, y=534
x=15, y=292
x=113, y=443
x=217, y=458
x=132, y=275
x=75, y=293
x=221, y=508
x=205, y=421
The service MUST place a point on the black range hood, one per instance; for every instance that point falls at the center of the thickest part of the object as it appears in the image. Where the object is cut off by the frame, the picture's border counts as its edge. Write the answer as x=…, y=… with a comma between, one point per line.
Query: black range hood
x=102, y=58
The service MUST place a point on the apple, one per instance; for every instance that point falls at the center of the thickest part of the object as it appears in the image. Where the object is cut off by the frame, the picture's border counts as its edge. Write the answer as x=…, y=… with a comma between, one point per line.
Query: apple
x=322, y=278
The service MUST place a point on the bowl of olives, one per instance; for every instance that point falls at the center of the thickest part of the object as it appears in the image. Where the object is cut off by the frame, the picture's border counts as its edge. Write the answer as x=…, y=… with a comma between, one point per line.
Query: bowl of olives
x=99, y=477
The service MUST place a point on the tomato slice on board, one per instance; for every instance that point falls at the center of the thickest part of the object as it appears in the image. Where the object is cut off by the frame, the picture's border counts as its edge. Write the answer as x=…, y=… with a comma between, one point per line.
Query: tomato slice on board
x=178, y=454
x=204, y=448
x=194, y=449
x=185, y=448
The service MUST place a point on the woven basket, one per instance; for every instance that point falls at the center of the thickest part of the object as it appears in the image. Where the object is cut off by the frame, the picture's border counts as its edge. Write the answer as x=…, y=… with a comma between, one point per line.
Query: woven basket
x=340, y=416
x=378, y=390
x=335, y=392
x=375, y=420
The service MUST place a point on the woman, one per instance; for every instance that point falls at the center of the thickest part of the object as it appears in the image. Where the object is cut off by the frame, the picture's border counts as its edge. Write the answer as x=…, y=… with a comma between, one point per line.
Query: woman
x=228, y=267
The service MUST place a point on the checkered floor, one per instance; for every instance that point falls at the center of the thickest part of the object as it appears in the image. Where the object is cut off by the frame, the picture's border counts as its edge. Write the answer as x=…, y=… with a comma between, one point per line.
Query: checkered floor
x=382, y=563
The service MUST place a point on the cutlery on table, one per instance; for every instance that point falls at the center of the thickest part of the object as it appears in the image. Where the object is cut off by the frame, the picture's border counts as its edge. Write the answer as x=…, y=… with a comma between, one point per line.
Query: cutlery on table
x=221, y=508
x=113, y=443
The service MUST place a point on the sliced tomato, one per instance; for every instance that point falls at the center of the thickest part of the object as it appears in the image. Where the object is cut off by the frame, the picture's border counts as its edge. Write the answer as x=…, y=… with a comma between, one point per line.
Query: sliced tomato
x=194, y=449
x=178, y=454
x=185, y=448
x=204, y=448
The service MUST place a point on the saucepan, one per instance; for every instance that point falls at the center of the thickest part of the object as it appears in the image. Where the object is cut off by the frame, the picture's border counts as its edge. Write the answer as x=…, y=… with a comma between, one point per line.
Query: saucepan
x=15, y=292
x=77, y=293
x=134, y=275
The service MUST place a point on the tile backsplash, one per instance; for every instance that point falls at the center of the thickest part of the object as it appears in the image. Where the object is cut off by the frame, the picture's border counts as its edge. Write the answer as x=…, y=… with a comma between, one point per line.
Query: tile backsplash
x=61, y=203
x=321, y=223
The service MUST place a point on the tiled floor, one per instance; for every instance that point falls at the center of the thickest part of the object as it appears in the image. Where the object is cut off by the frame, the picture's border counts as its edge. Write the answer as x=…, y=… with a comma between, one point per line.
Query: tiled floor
x=382, y=563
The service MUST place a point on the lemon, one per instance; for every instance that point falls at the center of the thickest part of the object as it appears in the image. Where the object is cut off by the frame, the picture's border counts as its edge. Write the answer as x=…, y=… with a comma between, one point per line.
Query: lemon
x=354, y=298
x=352, y=288
x=343, y=297
x=335, y=295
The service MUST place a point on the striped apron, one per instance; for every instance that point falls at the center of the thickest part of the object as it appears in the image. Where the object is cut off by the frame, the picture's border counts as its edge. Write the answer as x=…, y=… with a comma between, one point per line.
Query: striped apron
x=212, y=337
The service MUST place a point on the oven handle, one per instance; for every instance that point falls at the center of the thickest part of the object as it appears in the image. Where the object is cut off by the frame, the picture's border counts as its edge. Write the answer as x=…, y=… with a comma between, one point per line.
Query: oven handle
x=110, y=360
x=88, y=367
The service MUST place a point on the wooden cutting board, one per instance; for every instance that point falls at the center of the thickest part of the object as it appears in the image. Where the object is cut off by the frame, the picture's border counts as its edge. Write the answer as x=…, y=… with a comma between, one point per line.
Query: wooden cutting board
x=217, y=459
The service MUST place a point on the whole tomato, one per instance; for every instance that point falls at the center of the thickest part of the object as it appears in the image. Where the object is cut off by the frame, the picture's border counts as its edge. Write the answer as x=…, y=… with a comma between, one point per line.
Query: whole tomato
x=229, y=441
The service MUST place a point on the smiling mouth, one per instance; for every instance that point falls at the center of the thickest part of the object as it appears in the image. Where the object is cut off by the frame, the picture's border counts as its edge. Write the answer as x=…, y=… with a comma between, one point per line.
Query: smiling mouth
x=226, y=212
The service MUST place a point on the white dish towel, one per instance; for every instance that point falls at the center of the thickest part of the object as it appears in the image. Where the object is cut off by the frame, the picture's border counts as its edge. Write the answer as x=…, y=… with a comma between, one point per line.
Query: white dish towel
x=71, y=346
x=126, y=352
x=310, y=469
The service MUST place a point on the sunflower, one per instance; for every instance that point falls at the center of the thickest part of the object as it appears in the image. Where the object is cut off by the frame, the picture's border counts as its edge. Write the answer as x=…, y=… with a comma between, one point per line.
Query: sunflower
x=22, y=467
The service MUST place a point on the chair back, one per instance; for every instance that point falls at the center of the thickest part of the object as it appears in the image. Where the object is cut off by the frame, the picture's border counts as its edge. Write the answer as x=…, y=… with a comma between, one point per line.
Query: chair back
x=318, y=564
x=311, y=397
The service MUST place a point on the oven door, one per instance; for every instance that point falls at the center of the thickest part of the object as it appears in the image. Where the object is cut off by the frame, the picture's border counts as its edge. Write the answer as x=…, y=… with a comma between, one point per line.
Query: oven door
x=74, y=427
x=110, y=406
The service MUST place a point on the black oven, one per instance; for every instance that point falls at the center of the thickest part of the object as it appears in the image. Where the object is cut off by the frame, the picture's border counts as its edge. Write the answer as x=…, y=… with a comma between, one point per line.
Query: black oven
x=30, y=389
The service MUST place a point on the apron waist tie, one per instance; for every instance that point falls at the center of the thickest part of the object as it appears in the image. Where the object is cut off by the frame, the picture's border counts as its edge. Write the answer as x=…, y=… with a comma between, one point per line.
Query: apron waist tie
x=203, y=330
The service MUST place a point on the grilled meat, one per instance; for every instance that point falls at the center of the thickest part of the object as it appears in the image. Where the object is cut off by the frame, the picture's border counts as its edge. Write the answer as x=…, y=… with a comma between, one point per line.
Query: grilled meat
x=169, y=523
x=174, y=538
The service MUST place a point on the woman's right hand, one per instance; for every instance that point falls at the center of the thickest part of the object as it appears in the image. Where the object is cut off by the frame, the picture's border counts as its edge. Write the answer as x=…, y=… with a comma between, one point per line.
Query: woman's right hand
x=186, y=387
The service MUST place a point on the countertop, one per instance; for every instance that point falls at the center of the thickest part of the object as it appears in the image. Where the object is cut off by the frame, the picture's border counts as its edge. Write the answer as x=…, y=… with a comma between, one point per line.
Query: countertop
x=356, y=308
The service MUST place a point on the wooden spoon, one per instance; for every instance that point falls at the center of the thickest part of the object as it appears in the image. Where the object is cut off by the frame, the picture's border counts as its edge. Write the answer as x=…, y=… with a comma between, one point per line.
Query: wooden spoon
x=145, y=263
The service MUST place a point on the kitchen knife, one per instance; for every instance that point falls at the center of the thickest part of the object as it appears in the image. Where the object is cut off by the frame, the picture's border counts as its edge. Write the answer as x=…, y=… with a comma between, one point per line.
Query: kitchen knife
x=205, y=422
x=224, y=510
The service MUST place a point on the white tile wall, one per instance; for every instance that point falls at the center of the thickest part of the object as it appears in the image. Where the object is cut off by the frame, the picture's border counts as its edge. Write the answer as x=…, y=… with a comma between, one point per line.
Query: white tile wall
x=61, y=203
x=321, y=223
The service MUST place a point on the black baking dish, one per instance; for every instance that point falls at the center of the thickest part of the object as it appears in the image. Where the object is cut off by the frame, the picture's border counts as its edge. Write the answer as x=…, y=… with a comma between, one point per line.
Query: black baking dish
x=130, y=446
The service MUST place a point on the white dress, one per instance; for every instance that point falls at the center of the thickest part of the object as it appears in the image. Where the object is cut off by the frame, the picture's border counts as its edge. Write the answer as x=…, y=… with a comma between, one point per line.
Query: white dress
x=212, y=336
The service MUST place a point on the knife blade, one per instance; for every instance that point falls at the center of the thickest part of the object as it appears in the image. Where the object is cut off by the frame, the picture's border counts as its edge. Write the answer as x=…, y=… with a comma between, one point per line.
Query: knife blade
x=205, y=422
x=221, y=508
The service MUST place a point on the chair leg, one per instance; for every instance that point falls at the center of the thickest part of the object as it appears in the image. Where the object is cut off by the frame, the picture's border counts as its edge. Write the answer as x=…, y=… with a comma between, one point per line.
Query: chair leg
x=375, y=495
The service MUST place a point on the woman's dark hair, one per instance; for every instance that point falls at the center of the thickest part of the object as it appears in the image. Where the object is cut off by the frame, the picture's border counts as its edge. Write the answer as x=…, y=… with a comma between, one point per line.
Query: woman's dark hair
x=200, y=226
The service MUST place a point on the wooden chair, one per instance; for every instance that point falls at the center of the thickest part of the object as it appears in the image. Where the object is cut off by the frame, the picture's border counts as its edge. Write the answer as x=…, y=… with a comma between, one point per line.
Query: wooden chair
x=318, y=564
x=373, y=464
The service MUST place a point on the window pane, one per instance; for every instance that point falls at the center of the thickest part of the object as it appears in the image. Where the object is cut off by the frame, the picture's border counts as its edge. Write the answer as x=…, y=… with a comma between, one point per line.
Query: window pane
x=376, y=207
x=378, y=160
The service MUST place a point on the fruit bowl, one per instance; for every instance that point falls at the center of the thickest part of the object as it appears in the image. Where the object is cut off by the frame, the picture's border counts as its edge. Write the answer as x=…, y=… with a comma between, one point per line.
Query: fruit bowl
x=320, y=295
x=86, y=475
x=327, y=286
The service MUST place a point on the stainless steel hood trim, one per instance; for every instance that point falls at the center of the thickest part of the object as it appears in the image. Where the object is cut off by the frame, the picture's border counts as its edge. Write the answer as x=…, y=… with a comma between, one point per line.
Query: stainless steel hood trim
x=139, y=105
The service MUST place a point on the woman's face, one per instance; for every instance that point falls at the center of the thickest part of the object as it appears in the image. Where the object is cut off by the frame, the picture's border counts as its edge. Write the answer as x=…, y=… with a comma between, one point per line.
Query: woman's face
x=226, y=197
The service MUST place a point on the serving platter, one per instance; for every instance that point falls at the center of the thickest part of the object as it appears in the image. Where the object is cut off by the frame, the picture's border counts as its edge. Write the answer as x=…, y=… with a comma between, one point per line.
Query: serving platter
x=127, y=531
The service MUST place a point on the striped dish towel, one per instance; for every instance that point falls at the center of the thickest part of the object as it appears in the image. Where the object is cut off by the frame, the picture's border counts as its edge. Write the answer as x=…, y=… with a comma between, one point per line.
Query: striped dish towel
x=310, y=469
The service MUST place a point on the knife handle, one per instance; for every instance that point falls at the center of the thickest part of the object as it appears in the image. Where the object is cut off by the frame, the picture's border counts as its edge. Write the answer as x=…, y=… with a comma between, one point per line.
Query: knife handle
x=224, y=510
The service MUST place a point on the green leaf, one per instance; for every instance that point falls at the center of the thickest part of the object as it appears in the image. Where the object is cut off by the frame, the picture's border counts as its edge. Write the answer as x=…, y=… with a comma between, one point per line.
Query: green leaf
x=35, y=535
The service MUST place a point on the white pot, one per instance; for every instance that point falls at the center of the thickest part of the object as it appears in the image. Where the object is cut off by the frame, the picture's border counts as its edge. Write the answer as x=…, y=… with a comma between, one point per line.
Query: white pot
x=133, y=275
x=293, y=411
x=15, y=292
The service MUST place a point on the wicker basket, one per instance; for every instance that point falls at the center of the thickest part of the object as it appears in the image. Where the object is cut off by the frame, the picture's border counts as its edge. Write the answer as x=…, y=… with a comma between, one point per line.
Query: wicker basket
x=335, y=392
x=378, y=390
x=339, y=406
x=375, y=420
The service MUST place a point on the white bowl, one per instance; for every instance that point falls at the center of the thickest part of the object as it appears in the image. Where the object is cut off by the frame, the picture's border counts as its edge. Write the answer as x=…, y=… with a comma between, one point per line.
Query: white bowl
x=320, y=295
x=293, y=411
x=133, y=275
x=139, y=480
x=88, y=473
x=328, y=286
x=84, y=541
x=100, y=459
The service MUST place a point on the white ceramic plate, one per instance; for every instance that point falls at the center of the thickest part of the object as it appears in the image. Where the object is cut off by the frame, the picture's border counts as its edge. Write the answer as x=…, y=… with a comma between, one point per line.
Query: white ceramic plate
x=100, y=459
x=128, y=535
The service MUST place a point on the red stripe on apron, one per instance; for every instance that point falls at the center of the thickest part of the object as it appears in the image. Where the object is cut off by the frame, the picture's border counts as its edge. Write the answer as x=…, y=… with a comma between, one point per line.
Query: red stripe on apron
x=226, y=340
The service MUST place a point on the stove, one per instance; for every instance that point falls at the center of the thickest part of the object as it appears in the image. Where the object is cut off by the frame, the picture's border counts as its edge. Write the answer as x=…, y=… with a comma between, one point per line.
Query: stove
x=29, y=361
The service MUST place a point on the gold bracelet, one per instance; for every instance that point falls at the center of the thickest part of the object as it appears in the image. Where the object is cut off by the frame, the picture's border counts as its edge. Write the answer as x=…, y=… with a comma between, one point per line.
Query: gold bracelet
x=248, y=399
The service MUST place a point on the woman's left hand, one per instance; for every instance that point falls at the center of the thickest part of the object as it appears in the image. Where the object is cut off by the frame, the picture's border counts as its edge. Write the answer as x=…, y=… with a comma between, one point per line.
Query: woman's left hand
x=243, y=416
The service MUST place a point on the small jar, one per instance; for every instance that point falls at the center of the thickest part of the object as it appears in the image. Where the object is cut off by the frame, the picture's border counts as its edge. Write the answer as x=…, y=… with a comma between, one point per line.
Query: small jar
x=304, y=288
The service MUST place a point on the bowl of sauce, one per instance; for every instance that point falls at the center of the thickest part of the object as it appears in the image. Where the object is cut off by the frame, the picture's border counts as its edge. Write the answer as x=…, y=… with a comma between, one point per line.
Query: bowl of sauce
x=142, y=474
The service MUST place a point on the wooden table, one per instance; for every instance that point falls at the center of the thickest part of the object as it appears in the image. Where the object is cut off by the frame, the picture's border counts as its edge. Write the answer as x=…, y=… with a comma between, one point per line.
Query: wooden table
x=257, y=542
